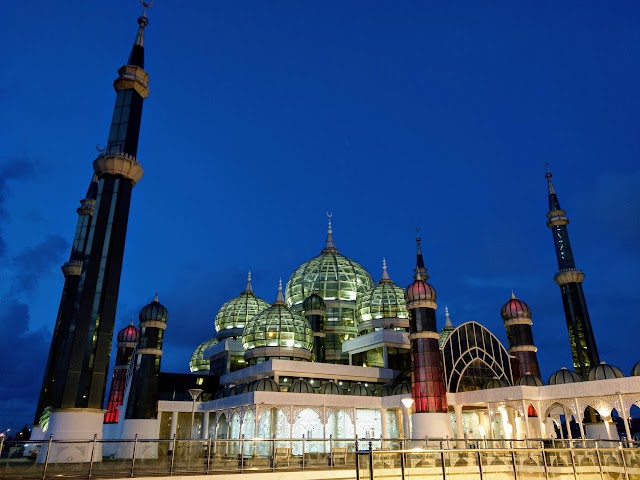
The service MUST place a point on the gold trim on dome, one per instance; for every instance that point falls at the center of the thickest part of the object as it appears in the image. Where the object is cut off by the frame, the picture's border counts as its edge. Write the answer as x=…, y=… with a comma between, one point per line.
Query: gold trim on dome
x=421, y=303
x=518, y=321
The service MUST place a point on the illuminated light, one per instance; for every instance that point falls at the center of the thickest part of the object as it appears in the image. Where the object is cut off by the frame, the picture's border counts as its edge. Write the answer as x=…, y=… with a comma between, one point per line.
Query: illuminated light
x=339, y=383
x=407, y=402
x=311, y=381
x=199, y=381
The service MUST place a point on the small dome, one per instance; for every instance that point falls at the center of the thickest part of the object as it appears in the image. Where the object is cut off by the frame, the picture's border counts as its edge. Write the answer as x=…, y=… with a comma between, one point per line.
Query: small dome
x=246, y=387
x=331, y=388
x=154, y=312
x=385, y=300
x=563, y=376
x=219, y=394
x=635, y=371
x=278, y=326
x=198, y=363
x=313, y=302
x=235, y=313
x=229, y=391
x=128, y=334
x=266, y=384
x=331, y=275
x=529, y=380
x=604, y=372
x=495, y=383
x=515, y=308
x=360, y=389
x=418, y=291
x=403, y=388
x=300, y=386
x=384, y=391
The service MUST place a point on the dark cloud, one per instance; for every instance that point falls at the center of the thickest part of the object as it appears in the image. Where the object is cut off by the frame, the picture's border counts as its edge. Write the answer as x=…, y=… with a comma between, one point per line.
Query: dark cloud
x=30, y=264
x=21, y=370
x=11, y=169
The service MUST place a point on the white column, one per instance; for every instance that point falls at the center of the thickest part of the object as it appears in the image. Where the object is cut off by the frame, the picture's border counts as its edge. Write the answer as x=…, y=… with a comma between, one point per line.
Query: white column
x=579, y=419
x=567, y=420
x=457, y=409
x=174, y=424
x=607, y=421
x=205, y=425
x=385, y=356
x=627, y=430
x=384, y=429
x=525, y=416
x=512, y=421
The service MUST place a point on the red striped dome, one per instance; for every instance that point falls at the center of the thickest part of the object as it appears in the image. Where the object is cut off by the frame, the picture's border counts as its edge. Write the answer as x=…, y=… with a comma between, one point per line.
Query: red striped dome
x=128, y=334
x=515, y=308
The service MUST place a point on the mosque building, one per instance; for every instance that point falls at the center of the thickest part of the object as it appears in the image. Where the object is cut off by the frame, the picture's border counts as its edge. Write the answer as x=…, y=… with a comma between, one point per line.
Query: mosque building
x=336, y=354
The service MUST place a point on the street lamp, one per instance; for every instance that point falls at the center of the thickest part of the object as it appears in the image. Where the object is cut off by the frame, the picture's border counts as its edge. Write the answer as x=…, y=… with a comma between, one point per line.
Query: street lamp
x=407, y=403
x=195, y=393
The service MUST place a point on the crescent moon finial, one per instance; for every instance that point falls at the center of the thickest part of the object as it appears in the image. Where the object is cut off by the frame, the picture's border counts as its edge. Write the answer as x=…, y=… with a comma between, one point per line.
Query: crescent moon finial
x=146, y=4
x=329, y=214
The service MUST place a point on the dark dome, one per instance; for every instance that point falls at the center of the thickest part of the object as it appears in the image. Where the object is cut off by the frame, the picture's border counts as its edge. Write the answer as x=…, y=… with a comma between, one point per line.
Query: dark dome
x=266, y=385
x=515, y=308
x=300, y=386
x=403, y=388
x=604, y=372
x=420, y=290
x=529, y=380
x=154, y=312
x=635, y=371
x=228, y=391
x=360, y=389
x=331, y=388
x=384, y=391
x=246, y=387
x=128, y=334
x=219, y=394
x=495, y=383
x=563, y=376
x=314, y=302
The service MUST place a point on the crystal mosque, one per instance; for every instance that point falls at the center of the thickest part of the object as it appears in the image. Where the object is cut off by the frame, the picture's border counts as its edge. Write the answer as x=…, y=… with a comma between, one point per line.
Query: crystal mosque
x=336, y=354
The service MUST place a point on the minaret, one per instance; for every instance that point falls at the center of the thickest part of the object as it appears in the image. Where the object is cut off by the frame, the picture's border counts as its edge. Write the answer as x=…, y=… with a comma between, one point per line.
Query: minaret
x=517, y=320
x=569, y=278
x=76, y=373
x=142, y=403
x=127, y=342
x=430, y=417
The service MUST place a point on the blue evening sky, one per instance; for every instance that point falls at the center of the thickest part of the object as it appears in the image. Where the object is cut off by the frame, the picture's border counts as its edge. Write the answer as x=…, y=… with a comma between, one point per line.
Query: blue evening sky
x=263, y=115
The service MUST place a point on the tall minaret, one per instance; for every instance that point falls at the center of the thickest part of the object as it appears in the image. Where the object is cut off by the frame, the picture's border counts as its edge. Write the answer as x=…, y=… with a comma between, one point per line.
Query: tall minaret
x=430, y=417
x=76, y=374
x=517, y=321
x=127, y=342
x=569, y=278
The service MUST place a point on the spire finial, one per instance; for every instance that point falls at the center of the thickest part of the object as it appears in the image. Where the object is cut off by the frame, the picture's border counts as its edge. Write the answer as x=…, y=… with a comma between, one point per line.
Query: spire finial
x=447, y=320
x=420, y=271
x=280, y=297
x=548, y=176
x=155, y=299
x=385, y=274
x=329, y=246
x=248, y=287
x=131, y=322
x=513, y=295
x=136, y=58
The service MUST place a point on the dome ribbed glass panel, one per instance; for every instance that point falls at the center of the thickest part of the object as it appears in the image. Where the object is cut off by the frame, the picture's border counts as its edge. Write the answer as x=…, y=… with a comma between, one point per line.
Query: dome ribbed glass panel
x=605, y=372
x=198, y=363
x=154, y=312
x=384, y=391
x=330, y=275
x=238, y=311
x=331, y=388
x=385, y=300
x=403, y=388
x=277, y=326
x=360, y=389
x=495, y=383
x=266, y=385
x=563, y=376
x=529, y=380
x=635, y=371
x=300, y=386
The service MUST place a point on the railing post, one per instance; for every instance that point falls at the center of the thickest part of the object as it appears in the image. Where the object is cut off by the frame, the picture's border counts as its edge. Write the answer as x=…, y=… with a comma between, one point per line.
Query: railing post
x=448, y=443
x=133, y=457
x=513, y=461
x=573, y=463
x=599, y=463
x=303, y=452
x=442, y=460
x=624, y=462
x=480, y=463
x=93, y=449
x=273, y=453
x=544, y=461
x=331, y=450
x=209, y=455
x=370, y=461
x=402, y=460
x=46, y=458
x=173, y=455
x=357, y=461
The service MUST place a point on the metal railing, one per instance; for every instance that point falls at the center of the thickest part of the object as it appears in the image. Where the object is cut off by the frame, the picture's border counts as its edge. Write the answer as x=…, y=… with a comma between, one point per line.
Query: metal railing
x=379, y=457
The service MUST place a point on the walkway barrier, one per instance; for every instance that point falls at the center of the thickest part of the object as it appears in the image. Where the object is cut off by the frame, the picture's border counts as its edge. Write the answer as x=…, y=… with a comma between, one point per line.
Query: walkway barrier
x=371, y=458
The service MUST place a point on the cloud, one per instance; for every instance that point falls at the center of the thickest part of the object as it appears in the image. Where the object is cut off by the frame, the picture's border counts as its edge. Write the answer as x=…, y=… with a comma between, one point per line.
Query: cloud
x=30, y=264
x=24, y=357
x=11, y=169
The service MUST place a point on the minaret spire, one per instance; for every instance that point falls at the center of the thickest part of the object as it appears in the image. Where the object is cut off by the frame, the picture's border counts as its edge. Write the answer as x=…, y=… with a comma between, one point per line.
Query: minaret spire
x=569, y=278
x=279, y=297
x=329, y=246
x=248, y=288
x=385, y=274
x=136, y=57
x=420, y=270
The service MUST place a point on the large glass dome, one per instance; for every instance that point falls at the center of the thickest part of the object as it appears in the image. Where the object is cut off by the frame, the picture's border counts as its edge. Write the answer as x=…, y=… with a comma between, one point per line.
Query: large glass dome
x=235, y=313
x=385, y=300
x=198, y=363
x=277, y=332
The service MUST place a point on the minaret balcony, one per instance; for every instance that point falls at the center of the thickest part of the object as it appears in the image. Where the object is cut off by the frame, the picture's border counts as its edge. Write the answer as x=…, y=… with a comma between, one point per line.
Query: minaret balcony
x=557, y=217
x=72, y=268
x=570, y=275
x=118, y=164
x=87, y=207
x=132, y=77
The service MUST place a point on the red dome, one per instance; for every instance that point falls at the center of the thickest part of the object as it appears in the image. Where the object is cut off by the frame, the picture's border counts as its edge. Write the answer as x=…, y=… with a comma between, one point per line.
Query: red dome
x=515, y=308
x=128, y=334
x=420, y=290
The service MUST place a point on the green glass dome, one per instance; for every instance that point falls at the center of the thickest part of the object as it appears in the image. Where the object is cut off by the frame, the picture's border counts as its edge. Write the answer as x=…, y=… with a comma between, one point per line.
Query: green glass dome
x=235, y=313
x=198, y=363
x=277, y=332
x=385, y=300
x=331, y=275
